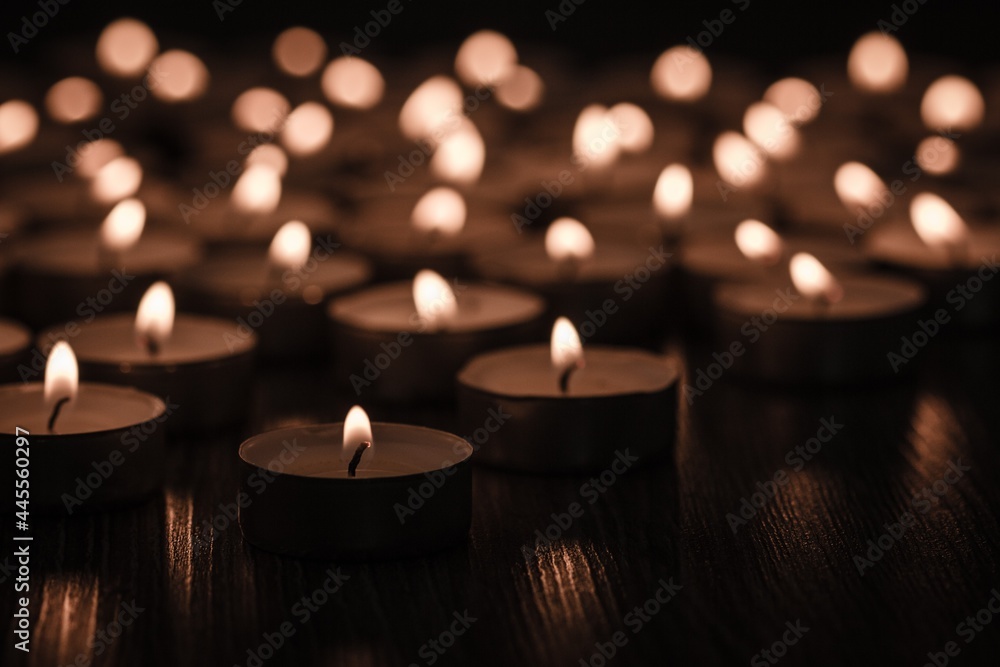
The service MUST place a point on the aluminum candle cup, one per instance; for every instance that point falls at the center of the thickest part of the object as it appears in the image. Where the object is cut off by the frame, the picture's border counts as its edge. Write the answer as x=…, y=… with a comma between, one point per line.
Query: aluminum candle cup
x=285, y=308
x=384, y=351
x=771, y=332
x=14, y=343
x=621, y=404
x=204, y=370
x=107, y=450
x=296, y=497
x=68, y=277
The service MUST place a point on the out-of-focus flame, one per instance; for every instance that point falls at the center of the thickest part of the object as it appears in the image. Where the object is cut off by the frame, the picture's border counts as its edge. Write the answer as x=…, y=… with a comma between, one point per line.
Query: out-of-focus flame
x=432, y=110
x=521, y=90
x=485, y=58
x=797, y=99
x=952, y=103
x=857, y=185
x=460, y=156
x=18, y=125
x=441, y=210
x=877, y=63
x=767, y=126
x=357, y=429
x=681, y=73
x=260, y=110
x=758, y=242
x=596, y=138
x=123, y=226
x=308, y=129
x=62, y=374
x=634, y=125
x=290, y=246
x=96, y=154
x=116, y=180
x=938, y=155
x=674, y=192
x=434, y=299
x=565, y=347
x=353, y=83
x=269, y=155
x=567, y=239
x=813, y=280
x=738, y=160
x=154, y=319
x=126, y=47
x=180, y=76
x=257, y=190
x=299, y=51
x=73, y=99
x=937, y=223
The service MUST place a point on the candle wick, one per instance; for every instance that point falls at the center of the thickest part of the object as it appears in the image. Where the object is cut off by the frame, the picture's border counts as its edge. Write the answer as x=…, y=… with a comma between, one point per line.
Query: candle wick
x=569, y=268
x=55, y=412
x=152, y=347
x=565, y=375
x=352, y=467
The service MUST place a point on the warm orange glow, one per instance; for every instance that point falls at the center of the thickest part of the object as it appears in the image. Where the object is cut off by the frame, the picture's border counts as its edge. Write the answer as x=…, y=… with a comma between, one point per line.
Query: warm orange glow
x=154, y=319
x=96, y=154
x=485, y=58
x=434, y=299
x=938, y=155
x=877, y=63
x=596, y=138
x=299, y=51
x=797, y=99
x=126, y=47
x=118, y=179
x=441, y=210
x=565, y=348
x=290, y=246
x=308, y=129
x=18, y=125
x=634, y=125
x=180, y=76
x=460, y=156
x=758, y=242
x=73, y=100
x=123, y=226
x=353, y=83
x=357, y=429
x=521, y=90
x=952, y=103
x=62, y=374
x=681, y=73
x=857, y=185
x=674, y=192
x=567, y=239
x=812, y=280
x=432, y=110
x=936, y=222
x=738, y=160
x=258, y=190
x=766, y=126
x=260, y=110
x=269, y=155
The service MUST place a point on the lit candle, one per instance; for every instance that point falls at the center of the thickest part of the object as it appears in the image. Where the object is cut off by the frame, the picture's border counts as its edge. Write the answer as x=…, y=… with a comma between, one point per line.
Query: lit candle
x=92, y=446
x=361, y=475
x=572, y=409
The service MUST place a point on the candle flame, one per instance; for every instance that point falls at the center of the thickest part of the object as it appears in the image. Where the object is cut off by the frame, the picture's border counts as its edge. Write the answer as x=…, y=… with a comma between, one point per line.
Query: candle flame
x=154, y=319
x=308, y=129
x=73, y=99
x=123, y=226
x=434, y=299
x=357, y=429
x=938, y=155
x=681, y=73
x=440, y=210
x=258, y=190
x=797, y=99
x=62, y=374
x=353, y=83
x=738, y=160
x=181, y=76
x=813, y=280
x=952, y=103
x=857, y=185
x=758, y=242
x=521, y=90
x=596, y=138
x=18, y=125
x=877, y=63
x=269, y=155
x=767, y=126
x=118, y=179
x=485, y=58
x=936, y=222
x=460, y=156
x=432, y=110
x=299, y=51
x=290, y=246
x=568, y=239
x=96, y=154
x=125, y=47
x=260, y=110
x=634, y=125
x=674, y=192
x=565, y=347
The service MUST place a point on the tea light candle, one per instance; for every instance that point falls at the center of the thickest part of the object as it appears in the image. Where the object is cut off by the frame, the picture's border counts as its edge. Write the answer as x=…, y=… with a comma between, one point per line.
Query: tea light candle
x=955, y=262
x=405, y=341
x=612, y=292
x=365, y=475
x=570, y=411
x=14, y=342
x=823, y=330
x=280, y=295
x=198, y=364
x=78, y=274
x=108, y=436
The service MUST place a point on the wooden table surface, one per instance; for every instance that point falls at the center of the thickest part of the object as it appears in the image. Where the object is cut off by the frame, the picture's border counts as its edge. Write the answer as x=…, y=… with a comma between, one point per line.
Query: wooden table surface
x=215, y=602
